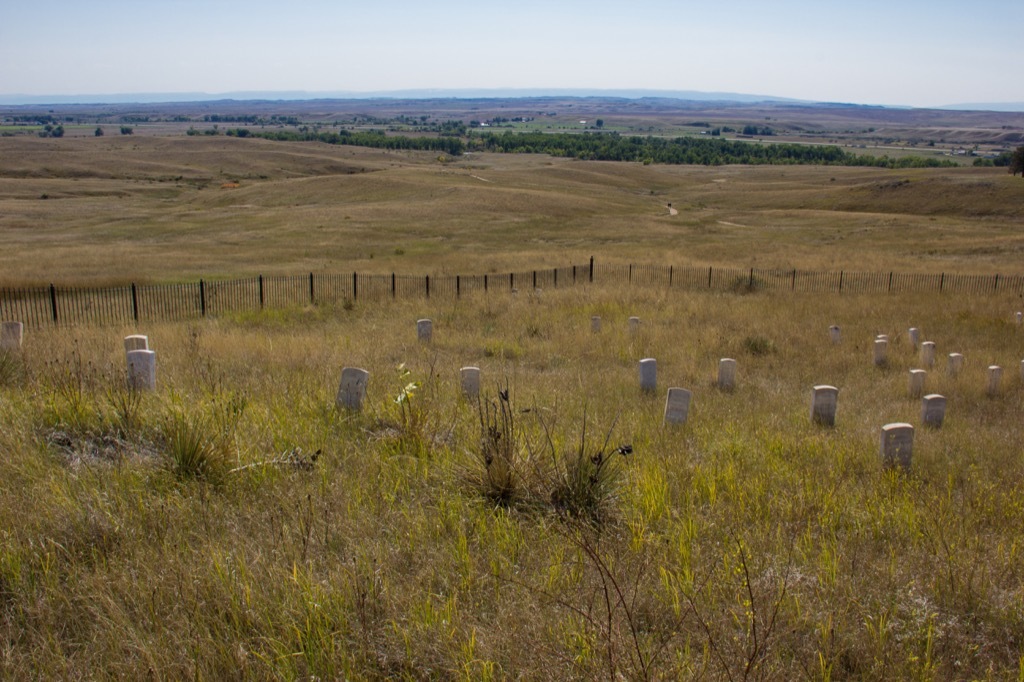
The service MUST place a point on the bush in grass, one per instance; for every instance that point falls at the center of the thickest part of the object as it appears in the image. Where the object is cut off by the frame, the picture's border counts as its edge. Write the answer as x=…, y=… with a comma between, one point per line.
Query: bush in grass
x=193, y=449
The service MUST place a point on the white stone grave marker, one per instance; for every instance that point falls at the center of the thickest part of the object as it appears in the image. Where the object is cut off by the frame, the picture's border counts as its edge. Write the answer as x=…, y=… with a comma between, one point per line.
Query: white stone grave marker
x=835, y=335
x=648, y=374
x=470, y=377
x=897, y=445
x=824, y=400
x=141, y=370
x=933, y=410
x=995, y=377
x=956, y=363
x=677, y=405
x=11, y=335
x=928, y=354
x=915, y=387
x=881, y=349
x=1020, y=317
x=727, y=374
x=424, y=330
x=136, y=342
x=595, y=323
x=634, y=325
x=914, y=334
x=352, y=390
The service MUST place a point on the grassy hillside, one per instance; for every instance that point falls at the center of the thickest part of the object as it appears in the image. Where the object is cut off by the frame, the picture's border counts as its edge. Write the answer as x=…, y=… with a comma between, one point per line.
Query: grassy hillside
x=152, y=209
x=234, y=525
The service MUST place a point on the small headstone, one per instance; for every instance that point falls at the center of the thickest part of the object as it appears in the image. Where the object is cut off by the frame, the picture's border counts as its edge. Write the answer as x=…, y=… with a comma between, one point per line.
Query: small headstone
x=727, y=374
x=352, y=390
x=834, y=335
x=956, y=363
x=136, y=342
x=914, y=334
x=634, y=325
x=995, y=376
x=677, y=406
x=424, y=330
x=881, y=349
x=11, y=335
x=933, y=410
x=824, y=400
x=897, y=445
x=928, y=354
x=1020, y=317
x=648, y=374
x=142, y=370
x=595, y=323
x=882, y=337
x=470, y=377
x=916, y=384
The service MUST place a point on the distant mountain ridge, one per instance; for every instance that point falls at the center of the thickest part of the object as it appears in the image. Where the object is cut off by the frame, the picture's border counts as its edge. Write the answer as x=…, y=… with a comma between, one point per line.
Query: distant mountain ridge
x=422, y=93
x=461, y=93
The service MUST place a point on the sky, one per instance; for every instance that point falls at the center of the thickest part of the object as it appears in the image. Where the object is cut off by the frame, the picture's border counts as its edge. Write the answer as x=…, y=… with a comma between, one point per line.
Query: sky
x=894, y=52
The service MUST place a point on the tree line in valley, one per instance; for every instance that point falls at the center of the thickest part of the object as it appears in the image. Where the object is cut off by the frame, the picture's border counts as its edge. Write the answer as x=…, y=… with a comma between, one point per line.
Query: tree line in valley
x=613, y=147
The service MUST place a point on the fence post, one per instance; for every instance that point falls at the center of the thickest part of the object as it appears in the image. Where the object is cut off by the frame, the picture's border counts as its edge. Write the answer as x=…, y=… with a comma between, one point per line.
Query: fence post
x=511, y=280
x=792, y=287
x=574, y=274
x=202, y=298
x=709, y=277
x=355, y=286
x=591, y=269
x=751, y=284
x=555, y=271
x=840, y=281
x=534, y=279
x=311, y=299
x=995, y=287
x=135, y=303
x=670, y=276
x=630, y=273
x=942, y=282
x=890, y=282
x=458, y=286
x=53, y=302
x=393, y=289
x=485, y=283
x=427, y=283
x=261, y=292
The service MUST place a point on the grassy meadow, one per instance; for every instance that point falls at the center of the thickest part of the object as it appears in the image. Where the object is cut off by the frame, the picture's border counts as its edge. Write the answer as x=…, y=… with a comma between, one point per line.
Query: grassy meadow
x=118, y=209
x=234, y=524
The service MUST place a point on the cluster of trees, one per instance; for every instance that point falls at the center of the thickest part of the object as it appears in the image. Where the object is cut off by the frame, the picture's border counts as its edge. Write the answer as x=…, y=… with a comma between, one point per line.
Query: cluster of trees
x=703, y=151
x=374, y=138
x=50, y=130
x=683, y=150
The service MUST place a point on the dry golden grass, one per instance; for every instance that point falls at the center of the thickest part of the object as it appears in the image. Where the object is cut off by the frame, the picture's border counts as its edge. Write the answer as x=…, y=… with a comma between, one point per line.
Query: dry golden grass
x=153, y=209
x=747, y=544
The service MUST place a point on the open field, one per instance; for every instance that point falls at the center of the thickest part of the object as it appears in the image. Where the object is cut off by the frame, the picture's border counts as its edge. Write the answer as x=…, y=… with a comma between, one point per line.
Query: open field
x=118, y=209
x=748, y=543
x=233, y=524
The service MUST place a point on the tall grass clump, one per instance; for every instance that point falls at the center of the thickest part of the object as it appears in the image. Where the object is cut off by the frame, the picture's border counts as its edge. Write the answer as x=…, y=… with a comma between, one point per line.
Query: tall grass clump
x=193, y=448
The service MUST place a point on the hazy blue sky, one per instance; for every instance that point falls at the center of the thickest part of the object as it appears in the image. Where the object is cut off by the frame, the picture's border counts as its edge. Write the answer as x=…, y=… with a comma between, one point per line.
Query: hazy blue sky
x=913, y=52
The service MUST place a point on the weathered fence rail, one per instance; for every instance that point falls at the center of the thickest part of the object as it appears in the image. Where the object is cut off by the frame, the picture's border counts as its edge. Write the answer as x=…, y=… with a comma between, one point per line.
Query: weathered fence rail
x=125, y=305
